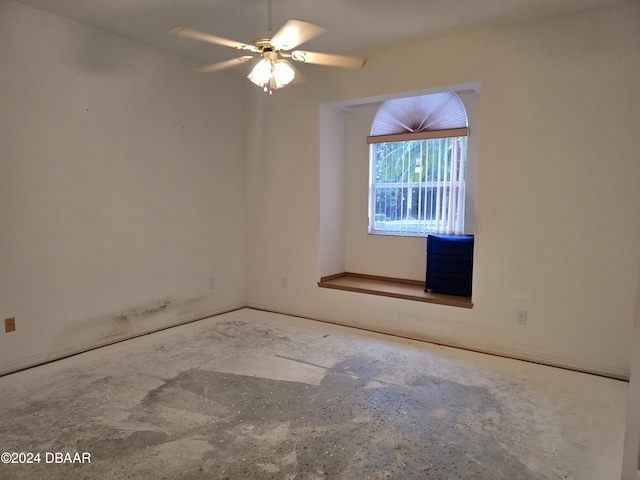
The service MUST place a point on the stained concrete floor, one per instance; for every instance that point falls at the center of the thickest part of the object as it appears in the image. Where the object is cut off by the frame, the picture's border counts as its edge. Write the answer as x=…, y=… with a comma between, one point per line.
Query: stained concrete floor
x=255, y=395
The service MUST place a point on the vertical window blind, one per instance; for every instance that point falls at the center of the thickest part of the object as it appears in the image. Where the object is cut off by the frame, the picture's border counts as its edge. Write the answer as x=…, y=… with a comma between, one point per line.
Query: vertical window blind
x=418, y=186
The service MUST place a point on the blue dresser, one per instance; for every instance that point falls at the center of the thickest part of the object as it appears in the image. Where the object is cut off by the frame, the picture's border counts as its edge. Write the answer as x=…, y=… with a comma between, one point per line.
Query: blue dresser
x=449, y=264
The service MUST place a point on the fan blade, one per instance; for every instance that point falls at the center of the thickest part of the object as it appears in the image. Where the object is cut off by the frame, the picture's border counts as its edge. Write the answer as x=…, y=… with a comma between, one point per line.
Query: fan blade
x=226, y=64
x=294, y=33
x=205, y=37
x=328, y=59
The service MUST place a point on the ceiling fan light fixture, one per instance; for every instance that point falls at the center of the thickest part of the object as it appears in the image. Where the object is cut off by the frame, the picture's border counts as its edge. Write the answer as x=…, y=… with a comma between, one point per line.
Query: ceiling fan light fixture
x=271, y=74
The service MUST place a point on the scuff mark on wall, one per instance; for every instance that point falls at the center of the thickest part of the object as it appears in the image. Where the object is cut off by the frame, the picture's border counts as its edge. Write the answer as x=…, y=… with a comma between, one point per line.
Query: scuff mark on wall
x=83, y=334
x=130, y=321
x=145, y=311
x=122, y=322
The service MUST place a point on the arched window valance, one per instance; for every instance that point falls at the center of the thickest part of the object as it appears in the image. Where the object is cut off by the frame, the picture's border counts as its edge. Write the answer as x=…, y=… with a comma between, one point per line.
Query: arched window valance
x=439, y=112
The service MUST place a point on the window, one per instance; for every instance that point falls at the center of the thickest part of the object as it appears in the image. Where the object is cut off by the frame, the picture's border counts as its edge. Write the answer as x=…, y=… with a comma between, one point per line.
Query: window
x=417, y=153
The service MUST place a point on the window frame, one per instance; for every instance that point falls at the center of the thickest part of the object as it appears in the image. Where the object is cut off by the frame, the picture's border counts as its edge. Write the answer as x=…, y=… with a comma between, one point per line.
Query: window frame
x=406, y=137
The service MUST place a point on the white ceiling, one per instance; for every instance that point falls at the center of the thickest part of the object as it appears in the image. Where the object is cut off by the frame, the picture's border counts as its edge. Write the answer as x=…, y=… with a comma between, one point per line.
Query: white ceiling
x=353, y=26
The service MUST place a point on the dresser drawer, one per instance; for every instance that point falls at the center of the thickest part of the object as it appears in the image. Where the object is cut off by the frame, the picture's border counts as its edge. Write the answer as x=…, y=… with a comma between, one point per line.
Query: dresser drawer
x=449, y=263
x=450, y=244
x=450, y=283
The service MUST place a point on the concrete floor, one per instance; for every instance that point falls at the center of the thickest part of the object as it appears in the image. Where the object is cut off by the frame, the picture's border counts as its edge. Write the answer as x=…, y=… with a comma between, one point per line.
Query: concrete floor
x=255, y=395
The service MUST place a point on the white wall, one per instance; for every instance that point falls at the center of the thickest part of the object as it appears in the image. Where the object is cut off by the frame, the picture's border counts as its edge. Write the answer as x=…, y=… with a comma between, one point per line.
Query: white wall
x=631, y=459
x=121, y=188
x=556, y=221
x=333, y=157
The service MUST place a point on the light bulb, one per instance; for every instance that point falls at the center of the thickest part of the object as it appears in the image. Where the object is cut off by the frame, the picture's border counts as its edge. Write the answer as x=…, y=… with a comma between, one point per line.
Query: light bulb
x=282, y=73
x=261, y=73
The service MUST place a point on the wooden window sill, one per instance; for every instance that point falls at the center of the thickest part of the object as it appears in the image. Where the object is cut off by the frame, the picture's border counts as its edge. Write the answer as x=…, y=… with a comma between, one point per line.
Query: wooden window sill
x=391, y=287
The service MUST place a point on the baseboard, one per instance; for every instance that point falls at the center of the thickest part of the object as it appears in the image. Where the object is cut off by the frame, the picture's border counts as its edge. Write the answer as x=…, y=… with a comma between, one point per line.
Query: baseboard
x=465, y=344
x=41, y=359
x=475, y=346
x=543, y=359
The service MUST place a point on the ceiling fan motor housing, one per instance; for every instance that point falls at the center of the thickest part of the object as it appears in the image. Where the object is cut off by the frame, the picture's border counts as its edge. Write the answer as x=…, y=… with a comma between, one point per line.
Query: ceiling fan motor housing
x=269, y=54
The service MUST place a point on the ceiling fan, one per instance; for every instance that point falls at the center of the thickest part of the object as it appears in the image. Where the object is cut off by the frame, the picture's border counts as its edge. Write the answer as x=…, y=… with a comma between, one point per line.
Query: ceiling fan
x=273, y=71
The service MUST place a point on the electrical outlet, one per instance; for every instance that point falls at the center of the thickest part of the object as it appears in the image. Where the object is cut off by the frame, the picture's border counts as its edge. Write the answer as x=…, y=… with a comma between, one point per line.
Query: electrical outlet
x=521, y=317
x=284, y=282
x=9, y=325
x=212, y=284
